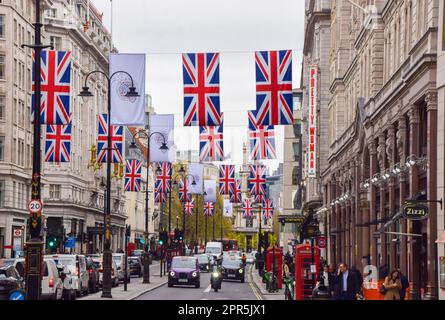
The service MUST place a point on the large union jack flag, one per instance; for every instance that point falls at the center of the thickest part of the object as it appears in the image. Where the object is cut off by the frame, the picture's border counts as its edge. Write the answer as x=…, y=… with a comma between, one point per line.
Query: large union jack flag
x=189, y=206
x=247, y=208
x=55, y=75
x=226, y=179
x=184, y=192
x=133, y=175
x=262, y=139
x=257, y=180
x=164, y=180
x=268, y=208
x=274, y=87
x=211, y=143
x=201, y=89
x=160, y=197
x=208, y=209
x=58, y=143
x=236, y=195
x=117, y=138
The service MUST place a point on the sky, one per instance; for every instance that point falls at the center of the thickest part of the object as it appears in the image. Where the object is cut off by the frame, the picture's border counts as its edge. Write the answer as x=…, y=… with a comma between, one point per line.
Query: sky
x=163, y=30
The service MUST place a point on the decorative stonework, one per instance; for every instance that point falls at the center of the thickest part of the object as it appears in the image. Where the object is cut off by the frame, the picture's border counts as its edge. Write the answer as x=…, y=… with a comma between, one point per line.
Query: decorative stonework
x=390, y=144
x=431, y=100
x=401, y=138
x=381, y=151
x=413, y=115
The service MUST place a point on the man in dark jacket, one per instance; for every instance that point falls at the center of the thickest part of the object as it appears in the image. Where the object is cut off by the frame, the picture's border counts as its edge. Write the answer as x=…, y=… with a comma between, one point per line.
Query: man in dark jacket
x=348, y=287
x=405, y=285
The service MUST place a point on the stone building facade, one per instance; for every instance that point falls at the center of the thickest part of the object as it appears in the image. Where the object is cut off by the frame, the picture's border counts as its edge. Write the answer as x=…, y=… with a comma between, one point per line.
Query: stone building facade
x=383, y=137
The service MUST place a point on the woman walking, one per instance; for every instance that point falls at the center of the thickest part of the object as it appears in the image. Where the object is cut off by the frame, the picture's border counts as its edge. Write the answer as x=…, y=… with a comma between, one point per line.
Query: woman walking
x=392, y=286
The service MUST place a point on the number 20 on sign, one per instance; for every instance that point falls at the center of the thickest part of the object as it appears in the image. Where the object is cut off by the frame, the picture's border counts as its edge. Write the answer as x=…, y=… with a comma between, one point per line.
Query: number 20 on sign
x=35, y=206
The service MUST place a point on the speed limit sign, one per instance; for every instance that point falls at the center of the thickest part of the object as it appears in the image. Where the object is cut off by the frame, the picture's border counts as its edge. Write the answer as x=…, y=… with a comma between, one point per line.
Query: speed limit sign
x=35, y=206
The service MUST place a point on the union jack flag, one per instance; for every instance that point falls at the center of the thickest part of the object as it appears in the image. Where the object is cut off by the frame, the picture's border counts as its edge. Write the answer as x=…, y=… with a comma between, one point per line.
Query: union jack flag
x=208, y=209
x=117, y=138
x=211, y=143
x=247, y=208
x=164, y=180
x=236, y=195
x=274, y=87
x=184, y=194
x=58, y=143
x=201, y=89
x=262, y=139
x=133, y=175
x=226, y=179
x=55, y=75
x=189, y=206
x=268, y=208
x=259, y=198
x=160, y=197
x=257, y=180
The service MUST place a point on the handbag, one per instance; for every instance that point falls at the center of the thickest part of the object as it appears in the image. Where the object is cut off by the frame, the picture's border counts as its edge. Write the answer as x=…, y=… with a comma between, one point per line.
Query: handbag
x=383, y=290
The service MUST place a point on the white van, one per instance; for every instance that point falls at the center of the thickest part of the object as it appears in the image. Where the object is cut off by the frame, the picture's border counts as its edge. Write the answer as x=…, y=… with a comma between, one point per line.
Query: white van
x=214, y=249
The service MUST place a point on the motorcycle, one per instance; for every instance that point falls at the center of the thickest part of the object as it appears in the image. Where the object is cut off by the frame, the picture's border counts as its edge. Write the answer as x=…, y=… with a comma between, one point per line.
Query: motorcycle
x=216, y=279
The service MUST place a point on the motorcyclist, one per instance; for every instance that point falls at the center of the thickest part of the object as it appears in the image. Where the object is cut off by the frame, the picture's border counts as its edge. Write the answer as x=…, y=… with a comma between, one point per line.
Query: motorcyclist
x=216, y=269
x=244, y=259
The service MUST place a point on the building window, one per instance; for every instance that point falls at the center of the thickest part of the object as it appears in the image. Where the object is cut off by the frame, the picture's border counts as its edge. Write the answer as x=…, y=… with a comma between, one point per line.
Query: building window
x=295, y=176
x=2, y=25
x=2, y=193
x=54, y=191
x=443, y=27
x=296, y=151
x=2, y=67
x=56, y=42
x=297, y=102
x=2, y=107
x=2, y=148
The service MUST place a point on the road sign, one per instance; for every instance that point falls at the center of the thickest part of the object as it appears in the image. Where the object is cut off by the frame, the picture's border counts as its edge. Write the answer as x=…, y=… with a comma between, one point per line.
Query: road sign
x=17, y=295
x=70, y=242
x=321, y=242
x=415, y=211
x=35, y=206
x=17, y=232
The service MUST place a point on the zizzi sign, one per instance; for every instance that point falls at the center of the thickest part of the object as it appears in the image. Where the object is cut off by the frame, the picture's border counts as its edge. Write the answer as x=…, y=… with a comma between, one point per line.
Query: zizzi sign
x=415, y=212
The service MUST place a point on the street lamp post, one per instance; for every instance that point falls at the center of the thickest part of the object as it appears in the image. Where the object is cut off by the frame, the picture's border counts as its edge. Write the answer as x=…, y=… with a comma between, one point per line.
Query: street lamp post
x=133, y=147
x=196, y=227
x=107, y=255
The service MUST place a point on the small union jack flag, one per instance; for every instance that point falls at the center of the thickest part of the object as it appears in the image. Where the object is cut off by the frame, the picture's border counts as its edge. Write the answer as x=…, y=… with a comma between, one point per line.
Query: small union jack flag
x=208, y=209
x=160, y=197
x=247, y=208
x=189, y=206
x=262, y=140
x=259, y=198
x=268, y=208
x=117, y=139
x=58, y=143
x=184, y=194
x=133, y=175
x=274, y=87
x=226, y=179
x=201, y=89
x=257, y=180
x=164, y=180
x=211, y=143
x=55, y=75
x=236, y=195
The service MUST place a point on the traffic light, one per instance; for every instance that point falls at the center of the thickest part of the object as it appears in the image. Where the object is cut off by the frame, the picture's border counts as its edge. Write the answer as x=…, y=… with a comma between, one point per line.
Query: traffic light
x=181, y=235
x=176, y=234
x=52, y=242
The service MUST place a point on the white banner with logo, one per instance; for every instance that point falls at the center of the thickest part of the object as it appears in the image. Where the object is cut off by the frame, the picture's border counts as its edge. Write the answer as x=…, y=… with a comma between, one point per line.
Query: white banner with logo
x=164, y=124
x=127, y=110
x=197, y=171
x=210, y=191
x=228, y=208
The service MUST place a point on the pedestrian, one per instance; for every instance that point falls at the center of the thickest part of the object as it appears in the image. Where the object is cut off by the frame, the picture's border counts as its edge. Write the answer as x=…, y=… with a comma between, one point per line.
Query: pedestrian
x=392, y=286
x=347, y=288
x=244, y=259
x=405, y=285
x=286, y=270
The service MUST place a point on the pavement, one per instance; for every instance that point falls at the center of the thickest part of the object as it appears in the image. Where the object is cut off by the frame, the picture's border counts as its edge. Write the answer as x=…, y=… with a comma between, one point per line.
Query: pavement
x=258, y=282
x=135, y=288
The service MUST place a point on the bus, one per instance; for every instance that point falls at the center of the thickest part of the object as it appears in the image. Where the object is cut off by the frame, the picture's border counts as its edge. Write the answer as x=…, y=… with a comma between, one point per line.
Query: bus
x=230, y=244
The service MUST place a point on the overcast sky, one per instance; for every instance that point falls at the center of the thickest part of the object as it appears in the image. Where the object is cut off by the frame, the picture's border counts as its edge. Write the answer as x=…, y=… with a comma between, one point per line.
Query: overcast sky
x=235, y=28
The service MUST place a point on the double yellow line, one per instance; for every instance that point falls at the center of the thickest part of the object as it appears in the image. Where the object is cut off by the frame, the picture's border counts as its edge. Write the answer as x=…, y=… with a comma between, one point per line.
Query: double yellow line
x=253, y=286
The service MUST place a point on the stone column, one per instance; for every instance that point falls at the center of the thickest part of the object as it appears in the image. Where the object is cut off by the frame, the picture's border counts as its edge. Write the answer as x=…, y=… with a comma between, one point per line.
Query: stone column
x=381, y=154
x=415, y=242
x=432, y=286
x=390, y=147
x=401, y=149
x=373, y=210
x=358, y=215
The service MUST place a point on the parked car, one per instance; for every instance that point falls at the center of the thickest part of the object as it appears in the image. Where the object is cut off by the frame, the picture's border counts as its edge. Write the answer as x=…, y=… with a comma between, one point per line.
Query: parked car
x=140, y=253
x=9, y=280
x=52, y=284
x=94, y=276
x=114, y=276
x=203, y=262
x=119, y=258
x=135, y=267
x=75, y=267
x=184, y=271
x=233, y=269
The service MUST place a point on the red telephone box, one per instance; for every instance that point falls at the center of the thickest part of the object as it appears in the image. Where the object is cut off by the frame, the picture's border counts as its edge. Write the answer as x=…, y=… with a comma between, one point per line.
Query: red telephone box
x=278, y=264
x=305, y=279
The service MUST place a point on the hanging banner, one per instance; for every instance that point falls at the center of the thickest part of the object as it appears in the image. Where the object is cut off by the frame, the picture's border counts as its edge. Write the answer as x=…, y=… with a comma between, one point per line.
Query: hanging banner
x=228, y=208
x=312, y=122
x=210, y=191
x=164, y=124
x=127, y=110
x=196, y=171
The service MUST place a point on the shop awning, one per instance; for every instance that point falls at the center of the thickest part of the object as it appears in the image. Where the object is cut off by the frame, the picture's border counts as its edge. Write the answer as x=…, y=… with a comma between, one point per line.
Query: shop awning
x=441, y=238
